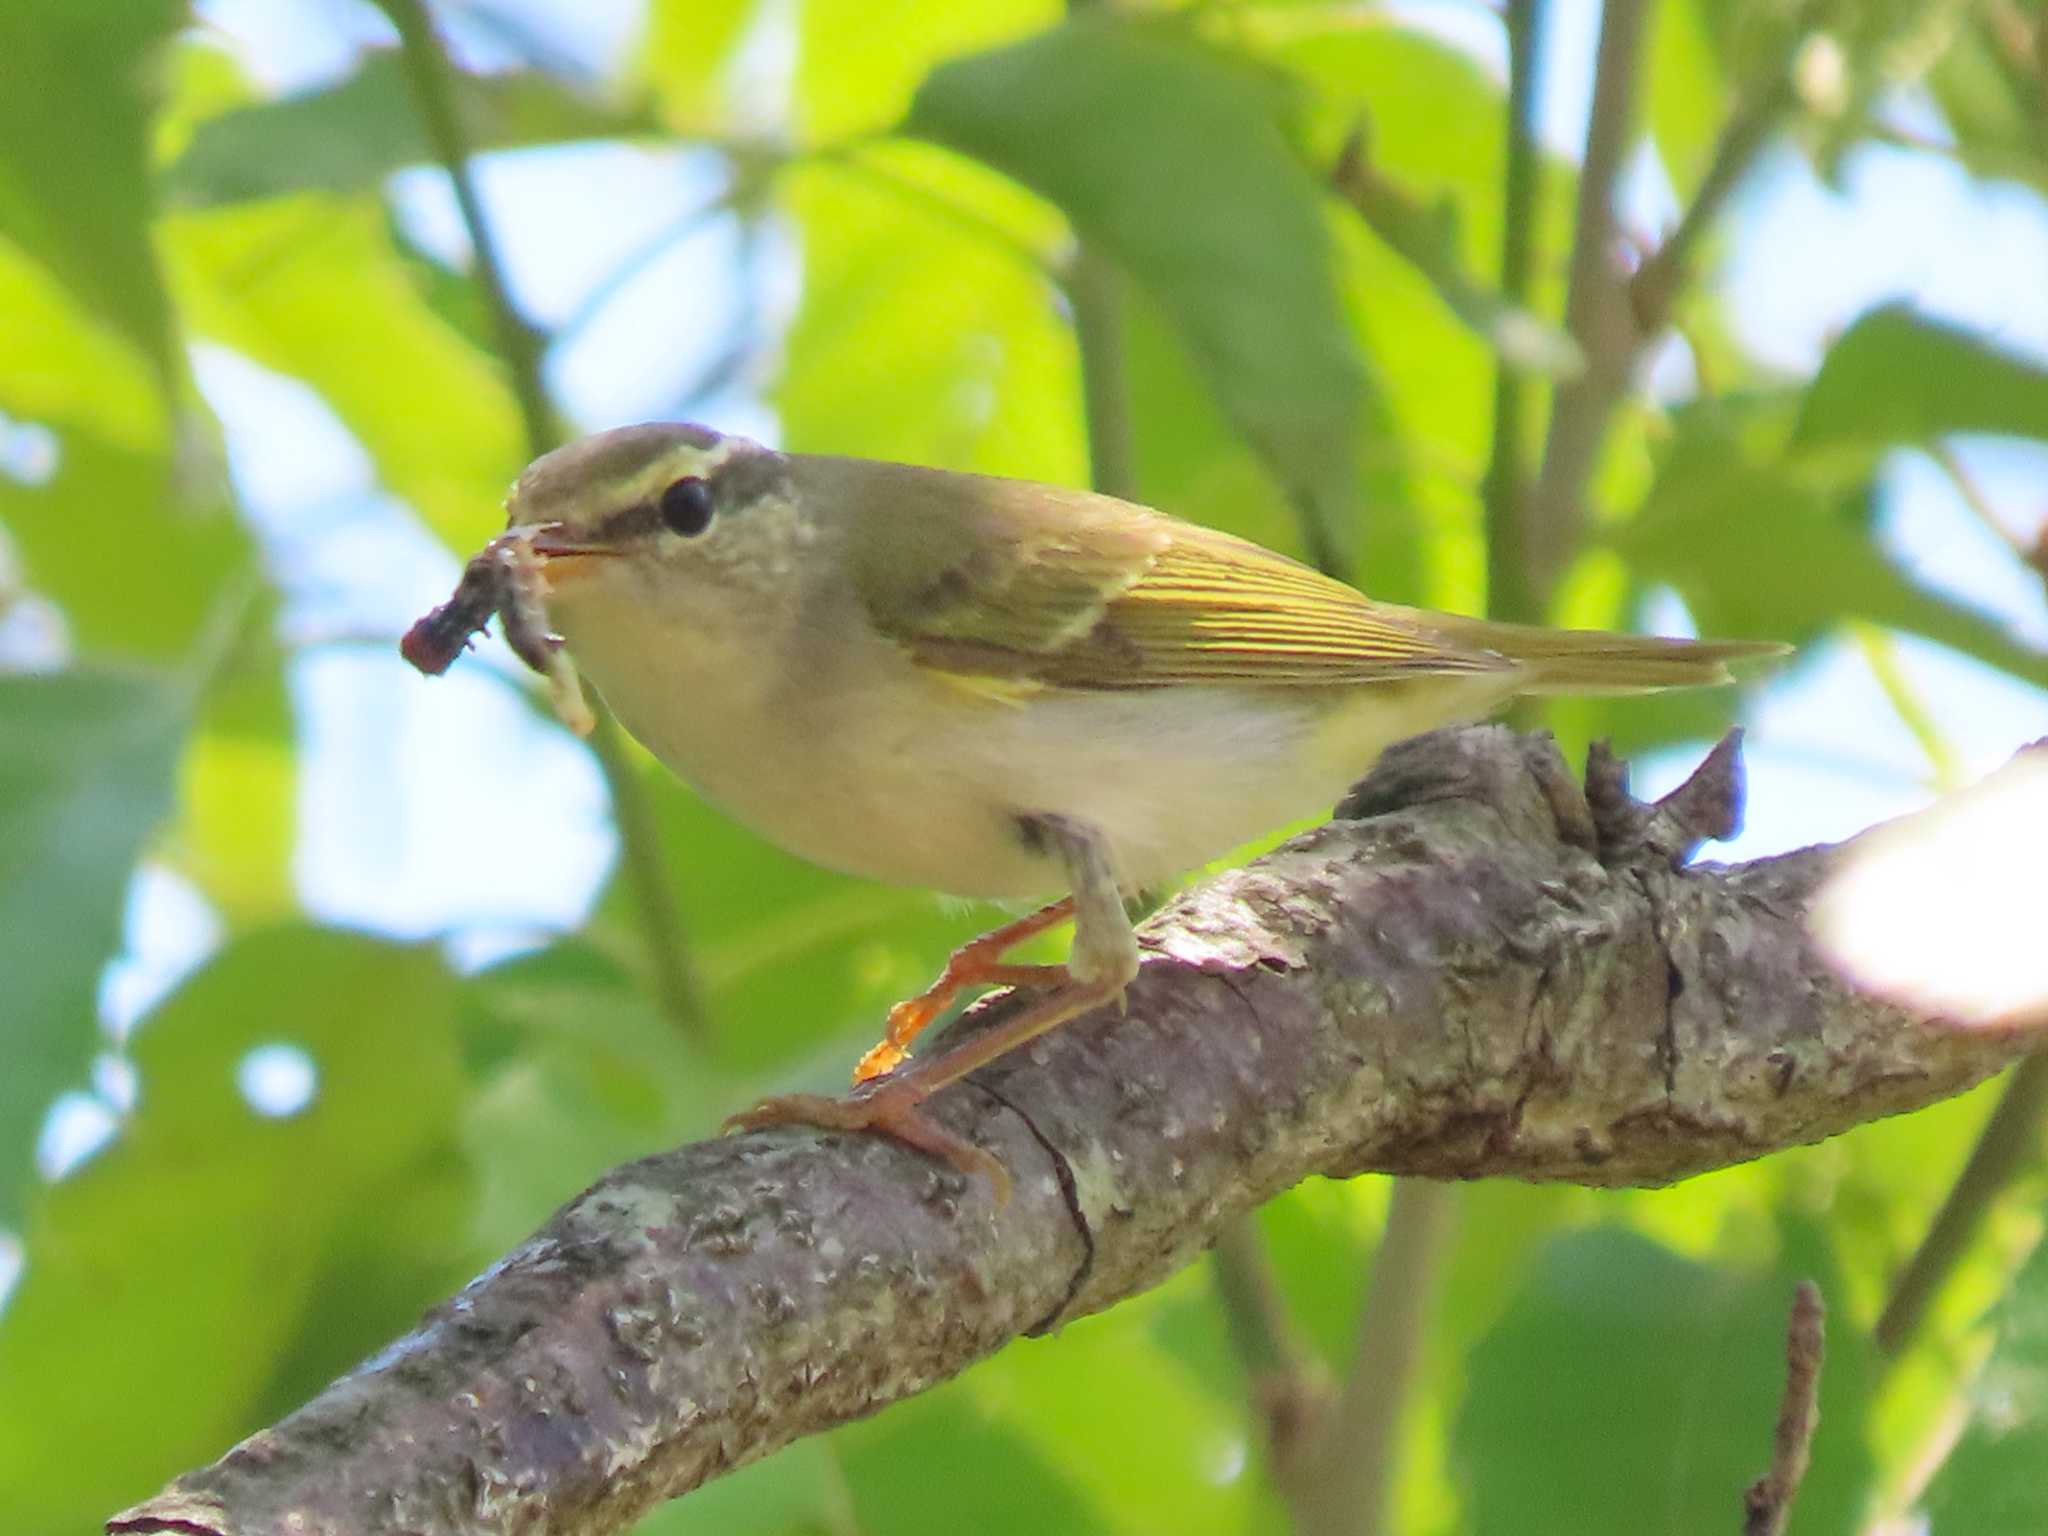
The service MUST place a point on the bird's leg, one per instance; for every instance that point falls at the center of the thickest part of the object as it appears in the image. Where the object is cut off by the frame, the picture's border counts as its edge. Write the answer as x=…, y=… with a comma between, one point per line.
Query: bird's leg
x=1101, y=964
x=976, y=963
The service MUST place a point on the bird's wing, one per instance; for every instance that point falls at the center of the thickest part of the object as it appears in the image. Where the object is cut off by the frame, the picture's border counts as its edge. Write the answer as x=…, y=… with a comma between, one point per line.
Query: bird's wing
x=1021, y=585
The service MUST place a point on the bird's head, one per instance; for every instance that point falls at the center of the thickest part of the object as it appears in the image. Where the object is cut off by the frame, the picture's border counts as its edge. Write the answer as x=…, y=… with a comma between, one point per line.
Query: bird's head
x=665, y=513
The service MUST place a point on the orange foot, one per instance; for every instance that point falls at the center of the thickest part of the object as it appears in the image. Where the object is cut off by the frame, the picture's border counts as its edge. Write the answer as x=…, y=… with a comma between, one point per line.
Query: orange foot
x=892, y=1115
x=974, y=964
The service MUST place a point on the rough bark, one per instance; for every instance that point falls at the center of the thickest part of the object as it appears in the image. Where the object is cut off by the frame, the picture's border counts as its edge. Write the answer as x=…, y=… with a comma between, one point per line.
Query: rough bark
x=1472, y=971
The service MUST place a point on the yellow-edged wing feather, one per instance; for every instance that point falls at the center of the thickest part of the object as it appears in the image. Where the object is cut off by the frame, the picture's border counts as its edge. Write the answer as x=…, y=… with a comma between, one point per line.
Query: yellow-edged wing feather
x=1033, y=585
x=1006, y=586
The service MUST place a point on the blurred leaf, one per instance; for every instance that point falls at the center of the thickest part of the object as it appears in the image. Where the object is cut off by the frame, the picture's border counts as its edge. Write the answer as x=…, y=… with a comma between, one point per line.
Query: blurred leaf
x=310, y=285
x=154, y=574
x=1436, y=122
x=589, y=1074
x=941, y=1464
x=1210, y=210
x=1688, y=91
x=86, y=766
x=74, y=139
x=1993, y=98
x=857, y=69
x=1760, y=545
x=1628, y=1389
x=1426, y=237
x=65, y=366
x=920, y=335
x=1898, y=377
x=348, y=137
x=798, y=1491
x=1992, y=1480
x=688, y=45
x=1122, y=1425
x=207, y=1259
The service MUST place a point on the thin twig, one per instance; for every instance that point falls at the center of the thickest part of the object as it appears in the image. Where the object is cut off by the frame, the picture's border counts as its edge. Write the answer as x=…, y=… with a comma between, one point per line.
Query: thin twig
x=1768, y=1501
x=1289, y=1387
x=1613, y=320
x=1595, y=312
x=2035, y=555
x=1881, y=655
x=431, y=76
x=2009, y=1144
x=1347, y=1495
x=1658, y=282
x=1510, y=591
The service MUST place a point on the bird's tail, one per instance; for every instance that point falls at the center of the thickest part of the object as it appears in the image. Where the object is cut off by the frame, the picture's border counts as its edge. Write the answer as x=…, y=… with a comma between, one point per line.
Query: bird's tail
x=1596, y=661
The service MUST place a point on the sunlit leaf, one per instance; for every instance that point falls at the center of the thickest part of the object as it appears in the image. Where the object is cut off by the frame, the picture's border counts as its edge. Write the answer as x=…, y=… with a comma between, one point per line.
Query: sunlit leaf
x=1209, y=209
x=1899, y=377
x=1992, y=1480
x=310, y=285
x=688, y=44
x=160, y=566
x=86, y=766
x=1688, y=90
x=74, y=140
x=927, y=331
x=64, y=365
x=215, y=1259
x=856, y=70
x=348, y=137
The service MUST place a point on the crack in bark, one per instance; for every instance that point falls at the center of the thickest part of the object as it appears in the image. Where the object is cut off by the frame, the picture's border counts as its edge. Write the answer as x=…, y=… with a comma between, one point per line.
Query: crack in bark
x=697, y=1309
x=1064, y=1172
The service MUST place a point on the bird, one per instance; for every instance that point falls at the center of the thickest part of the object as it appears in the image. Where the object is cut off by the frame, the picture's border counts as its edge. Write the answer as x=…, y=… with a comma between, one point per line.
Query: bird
x=989, y=687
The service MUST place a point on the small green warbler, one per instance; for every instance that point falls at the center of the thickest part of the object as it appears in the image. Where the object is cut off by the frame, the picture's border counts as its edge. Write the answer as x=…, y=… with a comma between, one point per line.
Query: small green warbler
x=988, y=687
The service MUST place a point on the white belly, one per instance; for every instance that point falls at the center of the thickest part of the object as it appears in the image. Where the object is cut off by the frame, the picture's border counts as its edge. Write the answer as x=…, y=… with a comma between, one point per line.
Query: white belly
x=882, y=769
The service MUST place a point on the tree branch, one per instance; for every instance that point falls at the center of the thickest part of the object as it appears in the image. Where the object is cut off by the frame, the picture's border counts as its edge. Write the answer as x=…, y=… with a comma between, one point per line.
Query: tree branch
x=1595, y=311
x=1459, y=977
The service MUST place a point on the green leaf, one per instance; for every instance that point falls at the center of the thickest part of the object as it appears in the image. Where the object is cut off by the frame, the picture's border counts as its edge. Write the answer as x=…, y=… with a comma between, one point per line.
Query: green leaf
x=1726, y=492
x=688, y=45
x=87, y=762
x=213, y=1264
x=310, y=285
x=1992, y=1480
x=1628, y=1389
x=153, y=576
x=348, y=137
x=1170, y=157
x=587, y=1074
x=1898, y=377
x=941, y=1464
x=1688, y=91
x=857, y=70
x=74, y=143
x=927, y=330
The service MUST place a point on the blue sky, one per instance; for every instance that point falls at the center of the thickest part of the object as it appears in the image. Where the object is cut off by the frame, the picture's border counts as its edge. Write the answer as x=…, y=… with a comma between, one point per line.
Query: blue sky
x=406, y=784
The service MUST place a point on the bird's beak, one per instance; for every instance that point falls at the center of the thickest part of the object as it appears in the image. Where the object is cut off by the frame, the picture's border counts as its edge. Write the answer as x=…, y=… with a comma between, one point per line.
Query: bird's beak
x=554, y=541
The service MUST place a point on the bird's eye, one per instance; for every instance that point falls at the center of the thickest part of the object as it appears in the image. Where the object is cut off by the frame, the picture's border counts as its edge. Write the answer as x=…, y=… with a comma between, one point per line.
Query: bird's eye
x=686, y=506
